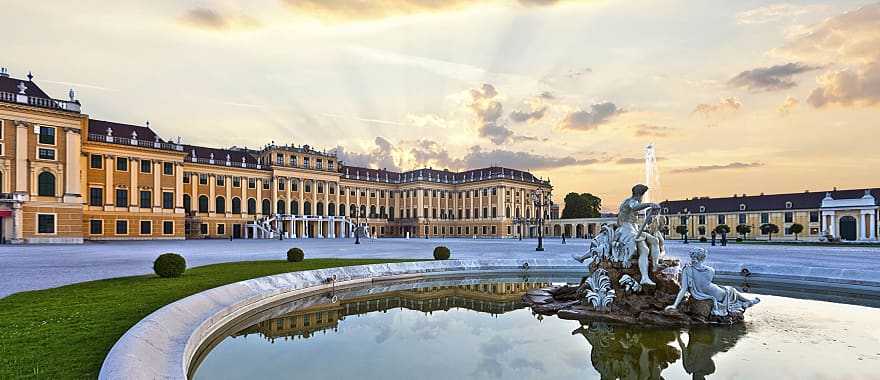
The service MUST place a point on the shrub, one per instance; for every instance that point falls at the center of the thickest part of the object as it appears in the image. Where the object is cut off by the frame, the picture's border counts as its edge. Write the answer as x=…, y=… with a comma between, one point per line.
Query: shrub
x=169, y=265
x=441, y=253
x=703, y=239
x=295, y=255
x=739, y=240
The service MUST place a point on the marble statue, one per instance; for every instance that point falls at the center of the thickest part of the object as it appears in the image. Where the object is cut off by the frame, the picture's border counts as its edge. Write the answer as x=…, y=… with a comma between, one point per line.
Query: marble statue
x=633, y=238
x=696, y=280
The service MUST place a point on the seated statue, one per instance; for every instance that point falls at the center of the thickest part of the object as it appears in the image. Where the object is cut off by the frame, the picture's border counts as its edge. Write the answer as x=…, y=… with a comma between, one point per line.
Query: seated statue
x=696, y=280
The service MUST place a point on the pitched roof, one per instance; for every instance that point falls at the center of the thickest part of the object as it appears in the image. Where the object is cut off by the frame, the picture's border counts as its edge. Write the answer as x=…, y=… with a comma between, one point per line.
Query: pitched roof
x=101, y=127
x=9, y=84
x=799, y=201
x=235, y=155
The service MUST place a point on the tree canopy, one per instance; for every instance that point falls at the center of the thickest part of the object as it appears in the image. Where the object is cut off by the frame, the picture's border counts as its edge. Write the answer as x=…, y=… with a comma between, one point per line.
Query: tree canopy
x=584, y=205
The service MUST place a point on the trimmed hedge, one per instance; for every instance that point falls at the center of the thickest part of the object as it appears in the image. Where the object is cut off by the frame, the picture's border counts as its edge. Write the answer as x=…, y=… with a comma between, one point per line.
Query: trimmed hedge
x=295, y=255
x=169, y=265
x=441, y=253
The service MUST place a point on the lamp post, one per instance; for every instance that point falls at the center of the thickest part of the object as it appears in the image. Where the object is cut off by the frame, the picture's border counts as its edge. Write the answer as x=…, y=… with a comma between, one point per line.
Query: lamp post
x=540, y=203
x=357, y=227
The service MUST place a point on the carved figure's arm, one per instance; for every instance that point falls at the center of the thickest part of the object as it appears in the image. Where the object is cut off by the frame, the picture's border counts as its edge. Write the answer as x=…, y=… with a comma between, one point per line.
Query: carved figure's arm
x=681, y=292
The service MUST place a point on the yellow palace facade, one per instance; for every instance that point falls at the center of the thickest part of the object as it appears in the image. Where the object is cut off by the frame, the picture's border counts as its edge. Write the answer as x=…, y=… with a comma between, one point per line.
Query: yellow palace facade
x=65, y=178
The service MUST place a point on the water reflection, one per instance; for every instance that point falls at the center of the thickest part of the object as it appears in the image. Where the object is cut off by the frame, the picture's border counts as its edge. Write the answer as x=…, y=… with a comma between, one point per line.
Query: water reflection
x=616, y=351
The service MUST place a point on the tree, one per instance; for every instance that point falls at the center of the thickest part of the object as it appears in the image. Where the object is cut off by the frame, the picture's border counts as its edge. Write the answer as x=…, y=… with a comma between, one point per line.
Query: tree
x=584, y=205
x=796, y=229
x=722, y=229
x=682, y=230
x=744, y=229
x=769, y=229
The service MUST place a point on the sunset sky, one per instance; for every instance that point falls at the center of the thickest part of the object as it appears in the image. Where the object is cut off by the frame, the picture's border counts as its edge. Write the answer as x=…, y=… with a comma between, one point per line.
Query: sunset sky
x=737, y=96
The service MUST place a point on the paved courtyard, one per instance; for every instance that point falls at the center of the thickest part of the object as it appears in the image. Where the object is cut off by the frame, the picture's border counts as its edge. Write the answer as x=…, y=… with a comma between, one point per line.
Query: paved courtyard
x=45, y=266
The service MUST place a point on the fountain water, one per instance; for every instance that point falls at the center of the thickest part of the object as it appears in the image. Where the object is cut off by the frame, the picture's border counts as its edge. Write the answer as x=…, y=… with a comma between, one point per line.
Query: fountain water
x=652, y=175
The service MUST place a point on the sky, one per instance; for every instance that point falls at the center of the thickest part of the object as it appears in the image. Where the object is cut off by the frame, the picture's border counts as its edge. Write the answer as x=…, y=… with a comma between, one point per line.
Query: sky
x=736, y=96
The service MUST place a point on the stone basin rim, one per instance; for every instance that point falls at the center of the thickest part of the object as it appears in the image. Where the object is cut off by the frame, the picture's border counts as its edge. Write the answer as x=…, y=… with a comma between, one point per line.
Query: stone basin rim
x=163, y=344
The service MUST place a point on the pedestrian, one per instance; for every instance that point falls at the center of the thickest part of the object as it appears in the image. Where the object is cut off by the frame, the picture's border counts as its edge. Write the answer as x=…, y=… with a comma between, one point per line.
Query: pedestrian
x=713, y=238
x=724, y=239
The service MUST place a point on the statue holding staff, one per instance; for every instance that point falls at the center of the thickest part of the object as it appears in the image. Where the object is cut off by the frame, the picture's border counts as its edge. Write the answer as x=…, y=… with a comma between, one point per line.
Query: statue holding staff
x=633, y=239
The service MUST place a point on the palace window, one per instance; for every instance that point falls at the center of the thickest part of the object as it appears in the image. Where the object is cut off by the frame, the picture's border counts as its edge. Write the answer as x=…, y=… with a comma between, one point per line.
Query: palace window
x=742, y=207
x=122, y=227
x=252, y=183
x=96, y=196
x=46, y=153
x=702, y=219
x=307, y=187
x=203, y=179
x=96, y=161
x=146, y=227
x=45, y=223
x=121, y=198
x=814, y=217
x=96, y=227
x=167, y=199
x=221, y=229
x=168, y=227
x=186, y=178
x=279, y=159
x=292, y=160
x=146, y=166
x=320, y=189
x=305, y=162
x=46, y=184
x=765, y=218
x=787, y=204
x=47, y=135
x=167, y=168
x=220, y=205
x=281, y=184
x=319, y=164
x=220, y=180
x=146, y=199
x=266, y=184
x=236, y=181
x=122, y=164
x=722, y=219
x=742, y=218
x=789, y=217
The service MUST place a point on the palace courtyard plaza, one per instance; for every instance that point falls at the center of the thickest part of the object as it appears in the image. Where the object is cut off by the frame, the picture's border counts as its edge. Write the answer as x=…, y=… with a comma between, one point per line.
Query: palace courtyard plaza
x=46, y=266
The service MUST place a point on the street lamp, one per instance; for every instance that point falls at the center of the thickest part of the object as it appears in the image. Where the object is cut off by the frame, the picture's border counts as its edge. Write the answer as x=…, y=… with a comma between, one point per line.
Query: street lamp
x=357, y=227
x=540, y=203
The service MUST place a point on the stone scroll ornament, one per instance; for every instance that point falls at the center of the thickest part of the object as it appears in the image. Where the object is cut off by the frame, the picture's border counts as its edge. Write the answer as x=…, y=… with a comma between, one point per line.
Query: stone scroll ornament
x=600, y=295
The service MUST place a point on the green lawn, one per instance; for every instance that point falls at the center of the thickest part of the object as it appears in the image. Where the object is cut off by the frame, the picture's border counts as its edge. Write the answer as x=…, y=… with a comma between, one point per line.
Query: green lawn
x=65, y=333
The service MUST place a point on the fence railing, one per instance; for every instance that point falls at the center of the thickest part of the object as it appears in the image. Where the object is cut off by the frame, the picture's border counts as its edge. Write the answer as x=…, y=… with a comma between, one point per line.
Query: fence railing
x=63, y=105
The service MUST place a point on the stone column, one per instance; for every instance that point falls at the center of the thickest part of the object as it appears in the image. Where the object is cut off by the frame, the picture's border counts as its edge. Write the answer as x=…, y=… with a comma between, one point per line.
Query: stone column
x=420, y=195
x=157, y=186
x=194, y=192
x=287, y=185
x=863, y=224
x=212, y=194
x=259, y=196
x=244, y=198
x=273, y=184
x=72, y=181
x=178, y=186
x=134, y=193
x=21, y=158
x=480, y=204
x=300, y=206
x=328, y=233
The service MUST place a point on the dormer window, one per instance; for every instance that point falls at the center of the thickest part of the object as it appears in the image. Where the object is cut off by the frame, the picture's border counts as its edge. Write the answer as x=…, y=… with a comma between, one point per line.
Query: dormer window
x=787, y=204
x=292, y=160
x=742, y=207
x=702, y=208
x=279, y=159
x=686, y=210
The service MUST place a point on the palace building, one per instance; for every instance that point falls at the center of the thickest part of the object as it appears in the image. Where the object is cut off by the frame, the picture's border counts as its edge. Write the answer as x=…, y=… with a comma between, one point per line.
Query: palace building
x=65, y=178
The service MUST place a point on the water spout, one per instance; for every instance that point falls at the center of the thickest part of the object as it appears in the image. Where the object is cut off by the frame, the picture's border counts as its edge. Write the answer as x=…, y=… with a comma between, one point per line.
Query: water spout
x=652, y=175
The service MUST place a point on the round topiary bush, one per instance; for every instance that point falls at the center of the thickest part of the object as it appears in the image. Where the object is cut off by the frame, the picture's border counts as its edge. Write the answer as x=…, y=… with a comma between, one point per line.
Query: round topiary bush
x=739, y=240
x=169, y=265
x=441, y=253
x=295, y=255
x=703, y=239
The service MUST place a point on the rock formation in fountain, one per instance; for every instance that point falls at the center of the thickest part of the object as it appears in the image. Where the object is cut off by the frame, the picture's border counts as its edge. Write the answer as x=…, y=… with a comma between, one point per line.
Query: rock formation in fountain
x=631, y=280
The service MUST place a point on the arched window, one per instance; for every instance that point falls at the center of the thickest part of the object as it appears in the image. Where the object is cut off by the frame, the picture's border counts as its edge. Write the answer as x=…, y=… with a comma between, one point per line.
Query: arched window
x=236, y=205
x=382, y=212
x=294, y=208
x=307, y=208
x=391, y=212
x=252, y=206
x=220, y=205
x=331, y=209
x=319, y=209
x=517, y=212
x=341, y=210
x=203, y=203
x=279, y=206
x=363, y=211
x=267, y=207
x=507, y=212
x=46, y=184
x=373, y=211
x=353, y=210
x=187, y=202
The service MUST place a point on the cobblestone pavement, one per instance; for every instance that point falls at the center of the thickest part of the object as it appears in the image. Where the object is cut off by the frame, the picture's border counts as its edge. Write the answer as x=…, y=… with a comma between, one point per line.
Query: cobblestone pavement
x=44, y=266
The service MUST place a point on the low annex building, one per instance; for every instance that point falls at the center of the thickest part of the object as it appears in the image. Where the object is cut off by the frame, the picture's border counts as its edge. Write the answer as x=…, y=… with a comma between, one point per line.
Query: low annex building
x=849, y=215
x=65, y=177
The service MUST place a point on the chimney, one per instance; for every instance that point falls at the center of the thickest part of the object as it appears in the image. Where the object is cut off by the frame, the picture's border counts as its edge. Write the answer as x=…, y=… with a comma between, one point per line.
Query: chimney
x=3, y=73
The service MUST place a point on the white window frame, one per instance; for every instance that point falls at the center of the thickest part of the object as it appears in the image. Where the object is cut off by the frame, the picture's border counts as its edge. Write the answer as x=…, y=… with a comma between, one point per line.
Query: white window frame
x=54, y=224
x=37, y=132
x=139, y=227
x=217, y=228
x=116, y=227
x=102, y=161
x=90, y=227
x=172, y=168
x=172, y=227
x=54, y=153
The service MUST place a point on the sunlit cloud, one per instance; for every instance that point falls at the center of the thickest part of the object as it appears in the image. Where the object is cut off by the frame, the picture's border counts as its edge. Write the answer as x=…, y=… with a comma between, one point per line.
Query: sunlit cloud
x=359, y=10
x=724, y=106
x=707, y=168
x=773, y=78
x=585, y=120
x=217, y=20
x=777, y=12
x=788, y=106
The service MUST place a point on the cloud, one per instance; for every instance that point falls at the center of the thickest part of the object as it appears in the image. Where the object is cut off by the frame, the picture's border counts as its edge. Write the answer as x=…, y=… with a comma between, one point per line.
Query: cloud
x=788, y=105
x=488, y=111
x=647, y=130
x=523, y=363
x=359, y=10
x=477, y=157
x=547, y=95
x=850, y=38
x=732, y=165
x=848, y=87
x=724, y=106
x=776, y=13
x=524, y=116
x=381, y=157
x=598, y=114
x=773, y=78
x=211, y=19
x=633, y=160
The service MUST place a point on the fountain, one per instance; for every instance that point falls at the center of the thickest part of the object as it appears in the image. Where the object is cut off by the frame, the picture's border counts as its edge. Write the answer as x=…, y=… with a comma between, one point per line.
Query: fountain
x=631, y=281
x=652, y=174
